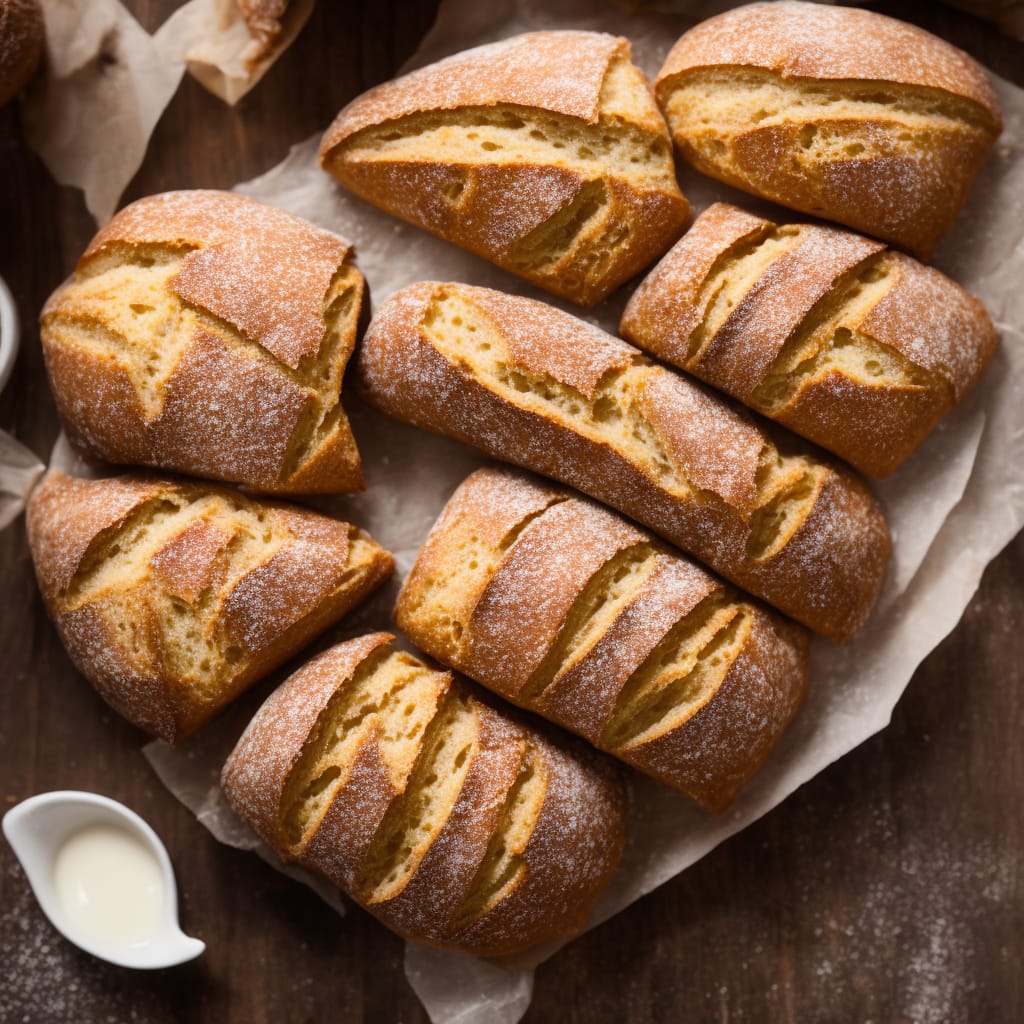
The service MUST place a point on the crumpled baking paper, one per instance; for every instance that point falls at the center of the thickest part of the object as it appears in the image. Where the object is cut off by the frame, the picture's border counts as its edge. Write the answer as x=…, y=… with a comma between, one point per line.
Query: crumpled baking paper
x=106, y=81
x=212, y=38
x=951, y=508
x=90, y=112
x=19, y=471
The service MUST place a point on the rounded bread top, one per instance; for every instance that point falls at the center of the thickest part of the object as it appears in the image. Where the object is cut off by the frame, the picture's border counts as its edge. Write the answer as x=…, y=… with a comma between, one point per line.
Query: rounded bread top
x=562, y=72
x=66, y=514
x=256, y=773
x=796, y=39
x=262, y=270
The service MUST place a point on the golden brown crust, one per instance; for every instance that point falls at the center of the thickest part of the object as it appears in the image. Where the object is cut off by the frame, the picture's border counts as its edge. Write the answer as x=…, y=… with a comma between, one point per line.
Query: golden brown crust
x=264, y=20
x=838, y=112
x=859, y=349
x=527, y=70
x=270, y=747
x=804, y=40
x=208, y=333
x=22, y=35
x=173, y=597
x=561, y=844
x=543, y=153
x=510, y=641
x=559, y=616
x=729, y=737
x=805, y=536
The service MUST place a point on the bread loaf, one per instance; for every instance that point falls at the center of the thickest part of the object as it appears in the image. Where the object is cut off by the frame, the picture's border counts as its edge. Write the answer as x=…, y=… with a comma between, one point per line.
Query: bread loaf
x=208, y=333
x=854, y=346
x=173, y=597
x=532, y=385
x=22, y=35
x=838, y=112
x=451, y=821
x=565, y=608
x=543, y=153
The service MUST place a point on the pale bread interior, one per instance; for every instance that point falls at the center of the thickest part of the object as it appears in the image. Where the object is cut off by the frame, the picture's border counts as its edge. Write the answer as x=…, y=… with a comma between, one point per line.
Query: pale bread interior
x=787, y=485
x=827, y=339
x=122, y=306
x=583, y=239
x=709, y=107
x=680, y=675
x=390, y=700
x=182, y=636
x=427, y=734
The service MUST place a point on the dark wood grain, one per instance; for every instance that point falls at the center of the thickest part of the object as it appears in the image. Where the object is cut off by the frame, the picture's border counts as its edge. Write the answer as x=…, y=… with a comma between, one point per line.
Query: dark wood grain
x=886, y=890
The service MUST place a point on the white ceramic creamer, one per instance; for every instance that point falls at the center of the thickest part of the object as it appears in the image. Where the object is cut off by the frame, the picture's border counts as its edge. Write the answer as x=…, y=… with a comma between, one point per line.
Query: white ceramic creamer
x=102, y=877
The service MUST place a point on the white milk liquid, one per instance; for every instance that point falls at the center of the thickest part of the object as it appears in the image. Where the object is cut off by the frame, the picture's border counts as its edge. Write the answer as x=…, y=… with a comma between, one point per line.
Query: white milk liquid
x=110, y=884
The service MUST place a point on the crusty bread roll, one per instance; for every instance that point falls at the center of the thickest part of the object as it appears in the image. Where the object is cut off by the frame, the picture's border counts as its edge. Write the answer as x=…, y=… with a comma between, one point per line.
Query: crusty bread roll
x=569, y=610
x=22, y=35
x=543, y=153
x=208, y=333
x=453, y=822
x=856, y=347
x=535, y=386
x=838, y=112
x=172, y=597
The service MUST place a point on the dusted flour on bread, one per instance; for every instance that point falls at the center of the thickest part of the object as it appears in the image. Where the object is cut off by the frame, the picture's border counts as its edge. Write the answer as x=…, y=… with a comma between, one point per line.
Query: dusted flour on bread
x=568, y=610
x=839, y=112
x=855, y=347
x=537, y=387
x=455, y=823
x=172, y=597
x=543, y=153
x=208, y=333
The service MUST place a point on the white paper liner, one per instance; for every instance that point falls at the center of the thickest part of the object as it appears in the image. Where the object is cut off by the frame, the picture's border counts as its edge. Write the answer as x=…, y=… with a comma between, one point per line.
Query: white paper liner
x=951, y=508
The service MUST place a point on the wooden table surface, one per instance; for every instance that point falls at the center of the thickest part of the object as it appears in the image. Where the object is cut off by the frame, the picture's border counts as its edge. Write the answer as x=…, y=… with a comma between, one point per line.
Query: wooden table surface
x=886, y=890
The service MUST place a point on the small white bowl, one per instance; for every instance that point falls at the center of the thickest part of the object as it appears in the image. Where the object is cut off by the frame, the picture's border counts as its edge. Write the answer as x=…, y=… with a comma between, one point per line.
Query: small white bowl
x=8, y=333
x=36, y=828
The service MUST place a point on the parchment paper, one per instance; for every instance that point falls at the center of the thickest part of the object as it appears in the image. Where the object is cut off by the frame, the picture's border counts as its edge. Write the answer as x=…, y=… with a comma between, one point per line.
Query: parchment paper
x=90, y=112
x=106, y=81
x=212, y=38
x=951, y=508
x=957, y=502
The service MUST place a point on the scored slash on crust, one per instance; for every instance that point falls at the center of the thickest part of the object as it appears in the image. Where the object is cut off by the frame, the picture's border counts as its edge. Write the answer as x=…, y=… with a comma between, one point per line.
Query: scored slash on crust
x=449, y=820
x=565, y=609
x=575, y=193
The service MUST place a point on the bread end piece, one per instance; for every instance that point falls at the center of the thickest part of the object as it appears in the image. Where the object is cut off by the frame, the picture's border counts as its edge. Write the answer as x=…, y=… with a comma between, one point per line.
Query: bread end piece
x=173, y=597
x=207, y=333
x=851, y=345
x=838, y=112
